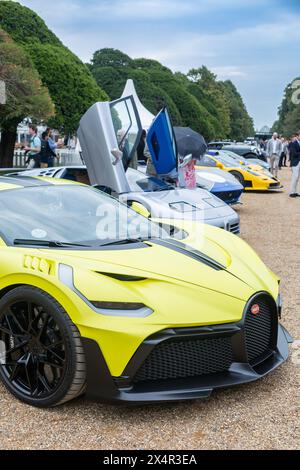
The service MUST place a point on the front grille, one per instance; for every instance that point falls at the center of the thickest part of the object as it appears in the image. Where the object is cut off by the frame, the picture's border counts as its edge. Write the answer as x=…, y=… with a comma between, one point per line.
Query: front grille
x=260, y=329
x=274, y=185
x=234, y=228
x=174, y=359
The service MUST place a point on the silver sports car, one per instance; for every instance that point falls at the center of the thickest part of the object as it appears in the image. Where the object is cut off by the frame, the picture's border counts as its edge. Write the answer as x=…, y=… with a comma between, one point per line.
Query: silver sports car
x=109, y=134
x=153, y=197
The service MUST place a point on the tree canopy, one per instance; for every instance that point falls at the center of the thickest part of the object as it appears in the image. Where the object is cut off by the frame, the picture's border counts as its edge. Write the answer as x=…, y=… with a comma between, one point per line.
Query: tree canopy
x=197, y=100
x=289, y=112
x=25, y=94
x=71, y=86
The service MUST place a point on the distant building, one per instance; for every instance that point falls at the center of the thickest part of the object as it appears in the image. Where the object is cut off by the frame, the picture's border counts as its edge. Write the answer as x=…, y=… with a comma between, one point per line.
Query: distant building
x=264, y=134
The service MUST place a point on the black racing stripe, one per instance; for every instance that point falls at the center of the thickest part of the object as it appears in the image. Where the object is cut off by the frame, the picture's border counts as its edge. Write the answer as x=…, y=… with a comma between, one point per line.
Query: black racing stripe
x=24, y=181
x=191, y=253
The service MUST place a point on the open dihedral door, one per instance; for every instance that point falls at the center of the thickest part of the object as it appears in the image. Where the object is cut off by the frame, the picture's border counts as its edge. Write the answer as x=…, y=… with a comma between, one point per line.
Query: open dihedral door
x=162, y=144
x=109, y=134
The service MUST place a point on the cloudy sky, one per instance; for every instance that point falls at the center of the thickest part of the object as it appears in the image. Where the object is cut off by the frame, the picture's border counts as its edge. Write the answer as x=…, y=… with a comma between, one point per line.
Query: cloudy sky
x=255, y=43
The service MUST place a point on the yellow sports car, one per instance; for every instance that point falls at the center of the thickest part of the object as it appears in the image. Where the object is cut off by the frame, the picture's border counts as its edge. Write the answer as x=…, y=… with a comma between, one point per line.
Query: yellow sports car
x=253, y=178
x=96, y=299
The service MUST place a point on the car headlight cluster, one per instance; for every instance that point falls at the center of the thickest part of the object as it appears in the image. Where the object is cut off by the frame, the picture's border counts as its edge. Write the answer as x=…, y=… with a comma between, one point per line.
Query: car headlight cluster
x=113, y=309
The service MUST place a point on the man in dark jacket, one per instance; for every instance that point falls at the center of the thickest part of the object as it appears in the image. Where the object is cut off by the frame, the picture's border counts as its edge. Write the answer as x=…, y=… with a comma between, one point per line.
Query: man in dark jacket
x=294, y=150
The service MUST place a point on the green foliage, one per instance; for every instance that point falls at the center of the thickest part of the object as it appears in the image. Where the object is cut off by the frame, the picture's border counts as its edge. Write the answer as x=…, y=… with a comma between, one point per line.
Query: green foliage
x=197, y=100
x=188, y=106
x=111, y=58
x=26, y=97
x=71, y=87
x=113, y=79
x=240, y=122
x=70, y=83
x=24, y=25
x=288, y=122
x=213, y=92
x=292, y=122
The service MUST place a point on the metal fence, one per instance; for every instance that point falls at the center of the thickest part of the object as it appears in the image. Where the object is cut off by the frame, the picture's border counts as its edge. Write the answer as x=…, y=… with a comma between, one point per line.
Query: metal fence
x=66, y=157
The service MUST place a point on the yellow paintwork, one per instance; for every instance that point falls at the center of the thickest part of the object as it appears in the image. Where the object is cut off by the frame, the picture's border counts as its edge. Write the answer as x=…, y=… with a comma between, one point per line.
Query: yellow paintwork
x=260, y=182
x=181, y=291
x=140, y=209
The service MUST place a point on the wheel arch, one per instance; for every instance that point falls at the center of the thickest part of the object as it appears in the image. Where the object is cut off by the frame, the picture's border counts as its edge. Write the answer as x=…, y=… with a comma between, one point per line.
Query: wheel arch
x=65, y=299
x=6, y=290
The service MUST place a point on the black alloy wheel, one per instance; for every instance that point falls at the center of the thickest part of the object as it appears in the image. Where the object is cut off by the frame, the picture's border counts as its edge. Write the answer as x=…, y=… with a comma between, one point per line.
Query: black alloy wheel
x=42, y=360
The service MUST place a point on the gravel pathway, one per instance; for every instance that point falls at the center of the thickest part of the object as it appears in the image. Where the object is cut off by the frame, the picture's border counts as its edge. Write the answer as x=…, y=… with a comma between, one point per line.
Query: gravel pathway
x=263, y=415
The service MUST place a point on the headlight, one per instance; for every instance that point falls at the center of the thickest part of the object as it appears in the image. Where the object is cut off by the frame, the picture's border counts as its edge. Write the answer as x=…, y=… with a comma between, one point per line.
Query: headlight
x=113, y=309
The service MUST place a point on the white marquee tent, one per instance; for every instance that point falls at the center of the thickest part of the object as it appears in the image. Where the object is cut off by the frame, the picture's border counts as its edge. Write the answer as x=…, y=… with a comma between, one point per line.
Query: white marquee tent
x=145, y=115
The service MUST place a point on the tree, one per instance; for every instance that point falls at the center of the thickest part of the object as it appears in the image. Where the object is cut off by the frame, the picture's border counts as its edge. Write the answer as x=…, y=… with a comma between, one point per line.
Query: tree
x=111, y=58
x=289, y=111
x=292, y=122
x=111, y=69
x=197, y=100
x=69, y=81
x=212, y=89
x=26, y=97
x=241, y=125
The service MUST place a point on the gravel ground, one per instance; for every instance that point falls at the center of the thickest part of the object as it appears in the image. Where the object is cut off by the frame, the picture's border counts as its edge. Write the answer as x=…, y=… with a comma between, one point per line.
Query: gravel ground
x=263, y=415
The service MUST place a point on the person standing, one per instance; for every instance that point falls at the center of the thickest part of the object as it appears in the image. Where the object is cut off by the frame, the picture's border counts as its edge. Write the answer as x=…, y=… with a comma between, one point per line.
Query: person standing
x=53, y=147
x=46, y=153
x=274, y=151
x=283, y=156
x=294, y=149
x=34, y=147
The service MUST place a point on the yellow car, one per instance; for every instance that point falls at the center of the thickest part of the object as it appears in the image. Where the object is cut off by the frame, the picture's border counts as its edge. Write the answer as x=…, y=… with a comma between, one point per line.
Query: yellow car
x=252, y=177
x=96, y=299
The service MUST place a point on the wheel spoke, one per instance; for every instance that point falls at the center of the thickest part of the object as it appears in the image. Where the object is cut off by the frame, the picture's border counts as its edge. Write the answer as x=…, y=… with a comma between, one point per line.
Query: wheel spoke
x=12, y=314
x=55, y=354
x=8, y=332
x=30, y=313
x=11, y=332
x=17, y=366
x=54, y=345
x=36, y=315
x=35, y=355
x=44, y=326
x=43, y=381
x=17, y=347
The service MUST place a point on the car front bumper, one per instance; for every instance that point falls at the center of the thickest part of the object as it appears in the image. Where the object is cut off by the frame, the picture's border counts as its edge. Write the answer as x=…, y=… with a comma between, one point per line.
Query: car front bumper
x=103, y=387
x=262, y=186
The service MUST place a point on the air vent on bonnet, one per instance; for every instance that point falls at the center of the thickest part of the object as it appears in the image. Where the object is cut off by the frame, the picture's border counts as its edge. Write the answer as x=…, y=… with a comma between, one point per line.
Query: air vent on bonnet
x=123, y=277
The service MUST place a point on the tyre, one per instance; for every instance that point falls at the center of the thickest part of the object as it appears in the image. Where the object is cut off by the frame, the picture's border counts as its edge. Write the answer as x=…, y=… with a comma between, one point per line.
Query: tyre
x=239, y=177
x=42, y=357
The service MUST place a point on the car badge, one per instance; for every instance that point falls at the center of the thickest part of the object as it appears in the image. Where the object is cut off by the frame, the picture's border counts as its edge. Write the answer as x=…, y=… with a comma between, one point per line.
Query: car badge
x=255, y=309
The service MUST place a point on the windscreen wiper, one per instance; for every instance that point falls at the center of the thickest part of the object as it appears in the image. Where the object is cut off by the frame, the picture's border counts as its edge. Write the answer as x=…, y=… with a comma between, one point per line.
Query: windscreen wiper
x=125, y=241
x=47, y=243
